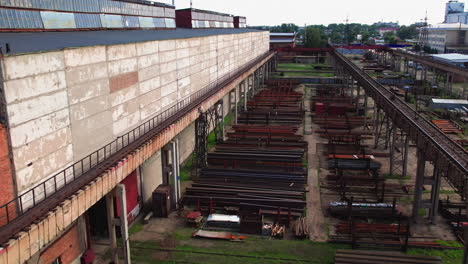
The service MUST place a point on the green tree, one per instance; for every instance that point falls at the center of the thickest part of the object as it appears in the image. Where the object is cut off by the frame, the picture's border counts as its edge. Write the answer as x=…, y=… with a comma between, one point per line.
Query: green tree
x=336, y=38
x=285, y=28
x=390, y=38
x=365, y=36
x=315, y=37
x=409, y=32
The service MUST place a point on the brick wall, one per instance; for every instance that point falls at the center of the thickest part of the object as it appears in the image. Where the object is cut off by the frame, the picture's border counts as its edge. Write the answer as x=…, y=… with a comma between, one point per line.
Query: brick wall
x=6, y=180
x=67, y=248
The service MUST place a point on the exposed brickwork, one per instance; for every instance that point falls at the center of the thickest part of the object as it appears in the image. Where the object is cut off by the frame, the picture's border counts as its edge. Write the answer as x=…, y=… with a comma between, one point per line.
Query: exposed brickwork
x=6, y=180
x=67, y=248
x=123, y=81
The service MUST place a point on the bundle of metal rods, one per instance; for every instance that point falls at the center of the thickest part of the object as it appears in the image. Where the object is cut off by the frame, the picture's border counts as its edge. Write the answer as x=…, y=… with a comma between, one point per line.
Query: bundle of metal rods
x=366, y=228
x=340, y=122
x=364, y=210
x=260, y=167
x=278, y=105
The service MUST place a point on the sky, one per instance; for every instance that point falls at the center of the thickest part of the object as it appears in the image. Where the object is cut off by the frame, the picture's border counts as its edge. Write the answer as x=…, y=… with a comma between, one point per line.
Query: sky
x=300, y=12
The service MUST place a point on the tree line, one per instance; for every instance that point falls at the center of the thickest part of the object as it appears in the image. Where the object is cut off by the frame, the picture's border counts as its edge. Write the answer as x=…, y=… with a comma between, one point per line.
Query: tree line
x=320, y=35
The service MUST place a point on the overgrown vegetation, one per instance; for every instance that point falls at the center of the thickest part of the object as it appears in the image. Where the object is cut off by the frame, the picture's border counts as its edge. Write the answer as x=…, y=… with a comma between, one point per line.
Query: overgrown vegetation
x=448, y=256
x=255, y=247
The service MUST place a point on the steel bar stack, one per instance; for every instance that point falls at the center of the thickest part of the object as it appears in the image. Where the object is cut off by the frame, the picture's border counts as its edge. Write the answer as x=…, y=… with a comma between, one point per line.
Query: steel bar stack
x=279, y=105
x=354, y=174
x=259, y=168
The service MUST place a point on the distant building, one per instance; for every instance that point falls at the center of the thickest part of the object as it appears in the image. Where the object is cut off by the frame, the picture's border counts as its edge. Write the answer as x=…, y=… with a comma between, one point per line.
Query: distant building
x=282, y=40
x=382, y=31
x=455, y=12
x=446, y=38
x=386, y=25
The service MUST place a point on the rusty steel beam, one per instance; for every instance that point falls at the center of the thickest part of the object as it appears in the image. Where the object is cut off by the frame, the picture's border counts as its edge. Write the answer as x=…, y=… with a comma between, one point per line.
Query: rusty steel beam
x=445, y=153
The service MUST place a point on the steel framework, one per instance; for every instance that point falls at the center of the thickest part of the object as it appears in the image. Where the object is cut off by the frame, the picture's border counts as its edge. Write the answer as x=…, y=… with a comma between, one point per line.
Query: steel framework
x=212, y=119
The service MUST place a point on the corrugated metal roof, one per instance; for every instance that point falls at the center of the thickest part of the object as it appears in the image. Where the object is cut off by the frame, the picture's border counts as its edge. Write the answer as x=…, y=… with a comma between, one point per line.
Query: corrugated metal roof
x=453, y=57
x=33, y=42
x=281, y=40
x=450, y=101
x=449, y=26
x=277, y=34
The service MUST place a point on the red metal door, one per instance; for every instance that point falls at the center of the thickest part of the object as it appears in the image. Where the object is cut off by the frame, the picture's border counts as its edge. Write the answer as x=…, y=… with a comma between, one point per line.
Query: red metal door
x=131, y=190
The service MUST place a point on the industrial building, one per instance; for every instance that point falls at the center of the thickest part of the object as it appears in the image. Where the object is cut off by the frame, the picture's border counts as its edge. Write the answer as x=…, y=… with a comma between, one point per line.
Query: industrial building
x=455, y=12
x=446, y=38
x=282, y=40
x=106, y=106
x=75, y=99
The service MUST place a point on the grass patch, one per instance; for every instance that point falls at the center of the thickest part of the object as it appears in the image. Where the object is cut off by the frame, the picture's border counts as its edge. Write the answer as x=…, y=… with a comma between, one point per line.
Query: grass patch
x=306, y=74
x=448, y=256
x=256, y=247
x=185, y=174
x=448, y=192
x=183, y=234
x=137, y=227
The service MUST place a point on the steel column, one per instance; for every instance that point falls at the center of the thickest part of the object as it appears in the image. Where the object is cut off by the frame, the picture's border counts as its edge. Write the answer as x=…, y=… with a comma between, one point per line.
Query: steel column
x=122, y=198
x=418, y=186
x=435, y=193
x=111, y=227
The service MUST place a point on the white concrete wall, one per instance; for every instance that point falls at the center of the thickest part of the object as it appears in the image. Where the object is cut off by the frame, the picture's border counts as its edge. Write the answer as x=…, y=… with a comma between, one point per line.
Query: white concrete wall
x=151, y=175
x=63, y=105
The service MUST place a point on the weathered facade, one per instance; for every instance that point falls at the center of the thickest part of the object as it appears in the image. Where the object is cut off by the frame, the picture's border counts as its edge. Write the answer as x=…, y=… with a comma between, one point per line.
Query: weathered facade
x=63, y=104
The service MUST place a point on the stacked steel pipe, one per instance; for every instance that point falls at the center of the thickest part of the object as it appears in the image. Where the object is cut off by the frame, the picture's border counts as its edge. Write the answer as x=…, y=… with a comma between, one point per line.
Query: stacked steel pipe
x=260, y=167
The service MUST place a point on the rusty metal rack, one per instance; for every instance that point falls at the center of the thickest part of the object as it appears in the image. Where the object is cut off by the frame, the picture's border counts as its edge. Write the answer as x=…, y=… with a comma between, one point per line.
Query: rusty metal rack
x=450, y=159
x=455, y=214
x=259, y=168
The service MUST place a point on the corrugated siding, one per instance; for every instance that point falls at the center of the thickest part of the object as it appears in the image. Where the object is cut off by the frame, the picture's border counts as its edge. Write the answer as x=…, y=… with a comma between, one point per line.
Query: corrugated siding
x=147, y=22
x=23, y=19
x=159, y=22
x=111, y=21
x=88, y=20
x=58, y=20
x=131, y=21
x=132, y=14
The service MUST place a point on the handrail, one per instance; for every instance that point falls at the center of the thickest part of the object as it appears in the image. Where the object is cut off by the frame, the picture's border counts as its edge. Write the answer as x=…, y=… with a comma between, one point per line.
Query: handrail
x=76, y=176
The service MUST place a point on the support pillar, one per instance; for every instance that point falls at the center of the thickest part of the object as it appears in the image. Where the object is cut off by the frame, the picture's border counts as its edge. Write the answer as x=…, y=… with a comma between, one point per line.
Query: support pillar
x=418, y=187
x=122, y=199
x=435, y=193
x=358, y=98
x=176, y=171
x=244, y=91
x=111, y=227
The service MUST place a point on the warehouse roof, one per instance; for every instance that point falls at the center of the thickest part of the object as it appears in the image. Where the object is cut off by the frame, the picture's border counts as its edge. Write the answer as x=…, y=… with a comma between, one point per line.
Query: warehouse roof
x=450, y=101
x=448, y=26
x=451, y=57
x=19, y=43
x=278, y=34
x=281, y=40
